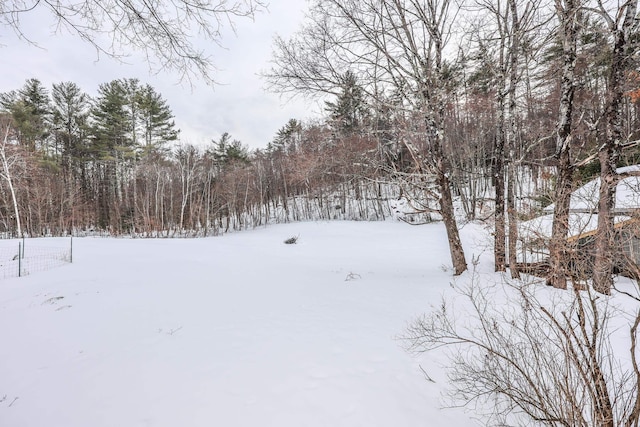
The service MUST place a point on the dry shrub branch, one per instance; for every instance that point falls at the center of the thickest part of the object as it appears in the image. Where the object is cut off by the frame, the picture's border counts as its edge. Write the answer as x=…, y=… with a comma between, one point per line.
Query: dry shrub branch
x=522, y=354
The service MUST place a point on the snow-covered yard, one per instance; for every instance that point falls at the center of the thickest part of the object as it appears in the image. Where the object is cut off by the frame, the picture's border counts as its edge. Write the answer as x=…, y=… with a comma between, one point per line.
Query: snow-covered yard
x=238, y=330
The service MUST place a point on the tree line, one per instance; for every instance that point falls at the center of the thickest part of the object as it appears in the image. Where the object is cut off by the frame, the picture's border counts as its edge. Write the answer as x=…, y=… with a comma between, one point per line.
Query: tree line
x=478, y=90
x=476, y=102
x=114, y=163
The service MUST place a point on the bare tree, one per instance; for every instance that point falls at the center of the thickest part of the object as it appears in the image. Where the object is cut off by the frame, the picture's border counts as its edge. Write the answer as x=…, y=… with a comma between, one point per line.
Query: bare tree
x=9, y=160
x=518, y=18
x=188, y=161
x=506, y=34
x=622, y=24
x=163, y=31
x=567, y=13
x=396, y=49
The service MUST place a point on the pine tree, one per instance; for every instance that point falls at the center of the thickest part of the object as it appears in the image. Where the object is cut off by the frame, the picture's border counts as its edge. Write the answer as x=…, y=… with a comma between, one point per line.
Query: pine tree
x=227, y=151
x=349, y=110
x=31, y=112
x=70, y=113
x=157, y=124
x=111, y=149
x=288, y=137
x=132, y=91
x=111, y=119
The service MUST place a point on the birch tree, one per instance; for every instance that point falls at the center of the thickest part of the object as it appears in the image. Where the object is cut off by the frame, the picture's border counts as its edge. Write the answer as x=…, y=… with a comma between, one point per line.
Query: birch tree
x=188, y=161
x=9, y=161
x=508, y=32
x=393, y=47
x=567, y=15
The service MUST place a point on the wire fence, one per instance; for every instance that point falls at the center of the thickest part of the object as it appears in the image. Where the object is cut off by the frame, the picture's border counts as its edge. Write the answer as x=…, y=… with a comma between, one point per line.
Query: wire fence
x=22, y=258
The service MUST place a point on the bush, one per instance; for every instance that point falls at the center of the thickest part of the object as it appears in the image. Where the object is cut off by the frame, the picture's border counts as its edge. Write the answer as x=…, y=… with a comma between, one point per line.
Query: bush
x=561, y=359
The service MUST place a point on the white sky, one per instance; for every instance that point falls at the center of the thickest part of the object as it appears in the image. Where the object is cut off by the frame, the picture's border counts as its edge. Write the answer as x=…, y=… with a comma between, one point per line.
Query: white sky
x=239, y=106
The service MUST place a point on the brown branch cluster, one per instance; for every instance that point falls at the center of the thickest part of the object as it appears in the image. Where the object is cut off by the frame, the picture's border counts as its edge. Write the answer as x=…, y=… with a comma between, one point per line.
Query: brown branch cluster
x=565, y=361
x=165, y=32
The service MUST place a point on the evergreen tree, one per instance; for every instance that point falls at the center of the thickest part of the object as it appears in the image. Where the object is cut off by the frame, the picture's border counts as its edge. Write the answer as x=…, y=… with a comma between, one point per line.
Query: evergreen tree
x=132, y=91
x=349, y=111
x=227, y=151
x=288, y=137
x=111, y=119
x=31, y=111
x=112, y=149
x=70, y=113
x=158, y=126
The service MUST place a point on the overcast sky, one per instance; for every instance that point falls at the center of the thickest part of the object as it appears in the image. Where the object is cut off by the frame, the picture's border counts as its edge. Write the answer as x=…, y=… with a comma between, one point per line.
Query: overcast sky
x=239, y=105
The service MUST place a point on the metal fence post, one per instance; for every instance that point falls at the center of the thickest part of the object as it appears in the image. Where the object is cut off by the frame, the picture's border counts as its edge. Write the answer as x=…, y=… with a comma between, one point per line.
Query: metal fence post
x=71, y=251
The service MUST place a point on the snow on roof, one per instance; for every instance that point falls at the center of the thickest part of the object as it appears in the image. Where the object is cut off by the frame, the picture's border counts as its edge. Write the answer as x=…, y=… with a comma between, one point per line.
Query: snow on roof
x=580, y=224
x=585, y=198
x=583, y=216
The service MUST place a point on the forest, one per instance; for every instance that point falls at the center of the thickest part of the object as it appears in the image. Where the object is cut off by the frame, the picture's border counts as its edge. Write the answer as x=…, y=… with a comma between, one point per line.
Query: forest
x=494, y=108
x=485, y=114
x=114, y=164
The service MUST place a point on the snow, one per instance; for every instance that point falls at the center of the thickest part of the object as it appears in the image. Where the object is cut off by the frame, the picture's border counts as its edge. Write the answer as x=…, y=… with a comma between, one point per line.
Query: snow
x=579, y=224
x=584, y=204
x=586, y=197
x=237, y=330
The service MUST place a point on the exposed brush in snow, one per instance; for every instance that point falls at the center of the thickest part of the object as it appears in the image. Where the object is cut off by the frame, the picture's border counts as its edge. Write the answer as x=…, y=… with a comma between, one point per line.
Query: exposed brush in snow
x=352, y=276
x=291, y=240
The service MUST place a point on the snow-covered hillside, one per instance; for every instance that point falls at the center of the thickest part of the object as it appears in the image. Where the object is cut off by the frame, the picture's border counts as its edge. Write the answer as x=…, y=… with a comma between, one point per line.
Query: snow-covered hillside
x=238, y=330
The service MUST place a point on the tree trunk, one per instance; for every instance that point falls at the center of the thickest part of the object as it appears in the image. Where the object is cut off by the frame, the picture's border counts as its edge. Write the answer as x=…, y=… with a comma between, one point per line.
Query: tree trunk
x=434, y=123
x=604, y=257
x=500, y=249
x=611, y=146
x=558, y=247
x=448, y=217
x=7, y=176
x=512, y=217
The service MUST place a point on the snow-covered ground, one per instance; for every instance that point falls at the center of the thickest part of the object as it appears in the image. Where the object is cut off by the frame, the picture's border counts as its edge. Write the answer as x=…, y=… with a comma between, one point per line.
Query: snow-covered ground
x=238, y=330
x=242, y=329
